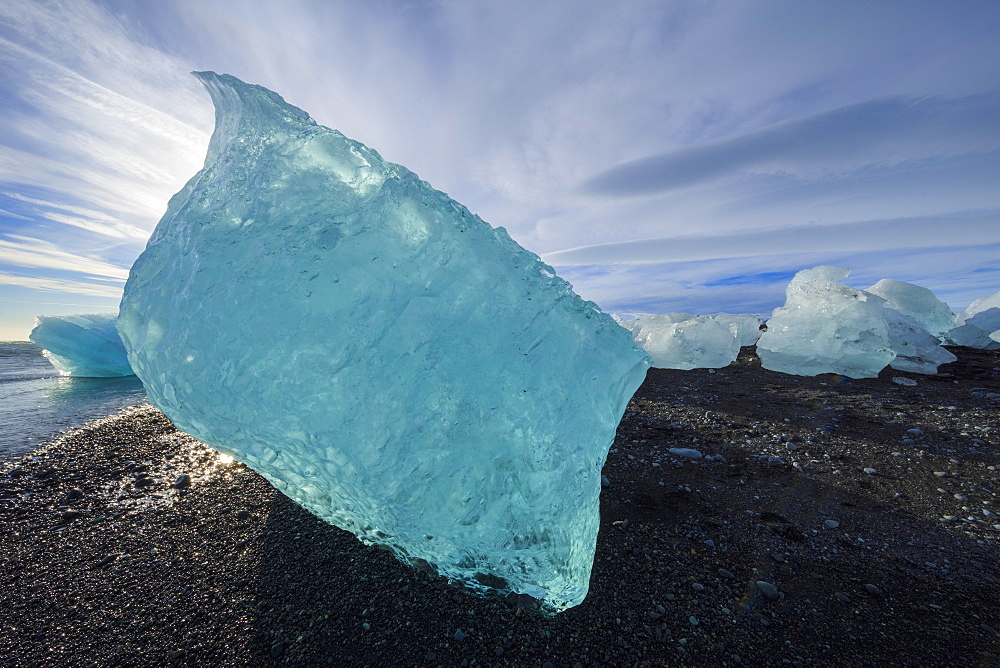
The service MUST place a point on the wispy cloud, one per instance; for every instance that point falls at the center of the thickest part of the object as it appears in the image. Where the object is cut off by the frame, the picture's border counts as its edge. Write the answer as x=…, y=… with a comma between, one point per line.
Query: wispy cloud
x=36, y=253
x=61, y=286
x=83, y=218
x=702, y=130
x=844, y=238
x=878, y=132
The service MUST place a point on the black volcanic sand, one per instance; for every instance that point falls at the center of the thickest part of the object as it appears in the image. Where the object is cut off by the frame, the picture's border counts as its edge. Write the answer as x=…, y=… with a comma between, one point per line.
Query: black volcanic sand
x=103, y=563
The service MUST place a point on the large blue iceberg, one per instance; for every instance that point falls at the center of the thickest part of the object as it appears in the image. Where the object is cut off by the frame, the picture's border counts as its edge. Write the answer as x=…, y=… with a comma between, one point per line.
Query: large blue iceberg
x=86, y=345
x=380, y=354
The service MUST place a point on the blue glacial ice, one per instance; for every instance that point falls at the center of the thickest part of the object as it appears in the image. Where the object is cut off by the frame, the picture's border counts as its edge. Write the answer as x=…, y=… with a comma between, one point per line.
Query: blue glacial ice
x=86, y=345
x=827, y=327
x=384, y=357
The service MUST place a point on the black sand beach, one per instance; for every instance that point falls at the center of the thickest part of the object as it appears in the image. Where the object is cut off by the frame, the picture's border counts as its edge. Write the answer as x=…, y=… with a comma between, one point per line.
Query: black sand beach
x=876, y=545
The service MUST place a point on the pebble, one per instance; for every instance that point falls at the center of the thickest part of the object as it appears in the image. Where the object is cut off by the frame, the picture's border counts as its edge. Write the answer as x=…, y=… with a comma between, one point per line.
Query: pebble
x=690, y=453
x=905, y=382
x=74, y=493
x=106, y=560
x=277, y=649
x=243, y=515
x=870, y=471
x=605, y=481
x=941, y=474
x=873, y=590
x=459, y=636
x=842, y=596
x=989, y=513
x=183, y=480
x=961, y=497
x=769, y=590
x=833, y=524
x=726, y=574
x=697, y=586
x=791, y=446
x=916, y=431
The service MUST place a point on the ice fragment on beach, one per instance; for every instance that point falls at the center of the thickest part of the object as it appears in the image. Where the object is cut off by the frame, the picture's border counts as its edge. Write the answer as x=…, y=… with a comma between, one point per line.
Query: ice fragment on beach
x=827, y=327
x=86, y=345
x=917, y=350
x=745, y=327
x=685, y=341
x=379, y=353
x=917, y=302
x=984, y=304
x=978, y=330
x=689, y=453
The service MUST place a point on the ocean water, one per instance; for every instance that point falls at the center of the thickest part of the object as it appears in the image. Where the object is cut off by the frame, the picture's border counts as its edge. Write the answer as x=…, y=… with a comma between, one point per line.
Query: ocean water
x=36, y=403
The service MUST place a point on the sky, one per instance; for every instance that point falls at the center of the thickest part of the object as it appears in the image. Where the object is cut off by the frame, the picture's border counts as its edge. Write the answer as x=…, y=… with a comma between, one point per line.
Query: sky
x=663, y=156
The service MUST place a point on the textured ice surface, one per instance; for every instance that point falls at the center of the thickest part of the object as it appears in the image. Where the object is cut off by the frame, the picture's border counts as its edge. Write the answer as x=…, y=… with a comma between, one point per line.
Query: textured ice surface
x=826, y=327
x=379, y=353
x=745, y=327
x=685, y=341
x=82, y=345
x=977, y=329
x=979, y=325
x=916, y=301
x=986, y=303
x=917, y=350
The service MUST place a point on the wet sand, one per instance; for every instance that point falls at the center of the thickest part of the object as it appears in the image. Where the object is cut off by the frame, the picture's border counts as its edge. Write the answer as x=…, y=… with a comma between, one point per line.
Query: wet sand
x=877, y=545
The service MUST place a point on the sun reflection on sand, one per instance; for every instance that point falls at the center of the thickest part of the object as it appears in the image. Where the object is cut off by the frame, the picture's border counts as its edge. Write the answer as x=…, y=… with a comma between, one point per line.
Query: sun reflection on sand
x=225, y=459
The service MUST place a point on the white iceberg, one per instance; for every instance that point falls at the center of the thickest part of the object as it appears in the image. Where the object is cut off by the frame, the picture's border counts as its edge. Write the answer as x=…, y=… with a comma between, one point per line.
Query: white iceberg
x=686, y=341
x=917, y=302
x=86, y=345
x=745, y=327
x=827, y=327
x=977, y=330
x=379, y=353
x=979, y=325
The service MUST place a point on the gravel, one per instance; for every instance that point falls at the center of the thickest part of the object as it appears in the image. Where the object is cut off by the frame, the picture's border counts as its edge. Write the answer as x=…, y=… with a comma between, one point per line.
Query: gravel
x=229, y=572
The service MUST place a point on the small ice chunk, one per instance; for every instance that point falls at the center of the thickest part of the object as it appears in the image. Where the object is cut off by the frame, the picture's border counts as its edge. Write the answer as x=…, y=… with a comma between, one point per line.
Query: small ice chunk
x=685, y=341
x=906, y=382
x=85, y=345
x=689, y=453
x=977, y=330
